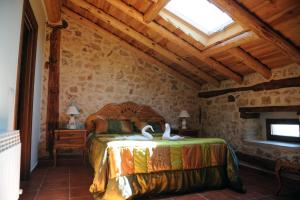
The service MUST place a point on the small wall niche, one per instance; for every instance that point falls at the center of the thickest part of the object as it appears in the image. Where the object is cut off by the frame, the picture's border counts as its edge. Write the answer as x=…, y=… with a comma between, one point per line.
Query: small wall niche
x=274, y=115
x=256, y=119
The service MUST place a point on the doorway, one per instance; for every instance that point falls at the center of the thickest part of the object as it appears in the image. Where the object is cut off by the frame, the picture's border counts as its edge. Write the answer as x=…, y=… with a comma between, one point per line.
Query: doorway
x=25, y=86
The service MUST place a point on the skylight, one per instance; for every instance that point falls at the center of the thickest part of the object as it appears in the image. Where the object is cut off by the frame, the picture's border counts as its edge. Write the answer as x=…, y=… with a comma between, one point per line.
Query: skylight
x=201, y=14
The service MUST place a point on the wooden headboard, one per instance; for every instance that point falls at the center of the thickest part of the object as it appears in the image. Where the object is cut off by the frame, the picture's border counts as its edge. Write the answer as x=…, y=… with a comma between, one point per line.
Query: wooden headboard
x=127, y=110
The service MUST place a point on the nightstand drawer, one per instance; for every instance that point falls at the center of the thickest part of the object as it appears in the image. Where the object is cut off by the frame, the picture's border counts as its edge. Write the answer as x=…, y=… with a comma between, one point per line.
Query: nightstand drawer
x=69, y=134
x=70, y=142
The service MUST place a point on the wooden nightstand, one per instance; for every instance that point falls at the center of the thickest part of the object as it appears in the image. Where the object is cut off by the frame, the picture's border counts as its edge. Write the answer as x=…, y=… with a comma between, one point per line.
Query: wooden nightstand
x=69, y=139
x=187, y=132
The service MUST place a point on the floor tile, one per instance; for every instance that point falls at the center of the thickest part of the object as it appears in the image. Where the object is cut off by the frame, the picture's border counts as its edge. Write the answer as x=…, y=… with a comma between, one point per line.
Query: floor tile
x=82, y=191
x=28, y=195
x=58, y=194
x=82, y=198
x=53, y=184
x=194, y=196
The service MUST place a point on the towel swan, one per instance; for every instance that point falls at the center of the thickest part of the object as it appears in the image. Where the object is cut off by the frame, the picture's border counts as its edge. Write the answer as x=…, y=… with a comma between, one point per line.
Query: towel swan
x=145, y=135
x=167, y=134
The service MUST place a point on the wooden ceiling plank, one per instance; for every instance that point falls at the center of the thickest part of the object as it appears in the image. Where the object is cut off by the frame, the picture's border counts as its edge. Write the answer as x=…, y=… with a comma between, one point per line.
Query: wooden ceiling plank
x=263, y=30
x=153, y=11
x=53, y=8
x=230, y=43
x=231, y=31
x=96, y=27
x=144, y=40
x=251, y=62
x=178, y=41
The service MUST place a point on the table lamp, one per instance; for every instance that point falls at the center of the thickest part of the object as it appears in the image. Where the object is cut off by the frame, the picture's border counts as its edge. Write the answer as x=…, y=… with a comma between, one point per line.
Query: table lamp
x=183, y=114
x=72, y=111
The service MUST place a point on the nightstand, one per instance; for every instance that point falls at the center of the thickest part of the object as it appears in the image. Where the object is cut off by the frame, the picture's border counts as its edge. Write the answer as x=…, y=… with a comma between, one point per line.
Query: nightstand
x=69, y=139
x=188, y=132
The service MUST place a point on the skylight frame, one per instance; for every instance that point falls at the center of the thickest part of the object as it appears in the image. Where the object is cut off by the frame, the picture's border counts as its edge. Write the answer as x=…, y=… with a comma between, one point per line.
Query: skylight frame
x=173, y=8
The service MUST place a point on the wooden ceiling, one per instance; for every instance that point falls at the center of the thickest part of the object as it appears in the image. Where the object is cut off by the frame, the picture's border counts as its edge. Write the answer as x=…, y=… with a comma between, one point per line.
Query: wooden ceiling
x=266, y=35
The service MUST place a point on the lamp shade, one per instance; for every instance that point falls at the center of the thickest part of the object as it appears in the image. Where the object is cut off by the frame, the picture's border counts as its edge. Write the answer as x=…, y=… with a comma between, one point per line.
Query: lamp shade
x=184, y=114
x=72, y=110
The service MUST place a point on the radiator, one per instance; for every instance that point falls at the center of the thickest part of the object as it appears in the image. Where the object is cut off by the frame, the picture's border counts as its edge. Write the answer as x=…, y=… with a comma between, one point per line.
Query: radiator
x=10, y=160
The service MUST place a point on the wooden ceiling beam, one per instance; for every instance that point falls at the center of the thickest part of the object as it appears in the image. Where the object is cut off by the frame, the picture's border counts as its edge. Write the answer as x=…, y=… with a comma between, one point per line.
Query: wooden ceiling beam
x=176, y=40
x=223, y=70
x=53, y=8
x=148, y=58
x=153, y=11
x=251, y=62
x=108, y=19
x=230, y=43
x=263, y=30
x=270, y=85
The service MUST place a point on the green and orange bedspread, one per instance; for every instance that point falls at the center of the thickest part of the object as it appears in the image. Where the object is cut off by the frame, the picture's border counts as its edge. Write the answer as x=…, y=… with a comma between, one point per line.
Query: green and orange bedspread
x=129, y=169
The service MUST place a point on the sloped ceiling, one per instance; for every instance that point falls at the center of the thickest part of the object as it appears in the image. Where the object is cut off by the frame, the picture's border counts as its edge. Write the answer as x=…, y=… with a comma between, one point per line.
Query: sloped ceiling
x=265, y=36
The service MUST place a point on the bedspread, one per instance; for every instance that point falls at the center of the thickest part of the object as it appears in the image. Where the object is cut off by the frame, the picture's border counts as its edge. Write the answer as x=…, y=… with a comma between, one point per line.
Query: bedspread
x=128, y=169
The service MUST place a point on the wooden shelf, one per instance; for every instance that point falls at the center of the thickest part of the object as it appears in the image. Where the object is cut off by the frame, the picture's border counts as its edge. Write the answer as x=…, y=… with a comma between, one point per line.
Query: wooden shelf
x=254, y=112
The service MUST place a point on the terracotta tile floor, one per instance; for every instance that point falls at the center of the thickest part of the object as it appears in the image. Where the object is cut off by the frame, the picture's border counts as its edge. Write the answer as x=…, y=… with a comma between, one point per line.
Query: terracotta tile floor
x=70, y=180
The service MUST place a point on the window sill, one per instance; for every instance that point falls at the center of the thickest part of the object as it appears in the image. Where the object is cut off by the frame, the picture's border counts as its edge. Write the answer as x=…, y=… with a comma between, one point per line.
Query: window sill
x=273, y=143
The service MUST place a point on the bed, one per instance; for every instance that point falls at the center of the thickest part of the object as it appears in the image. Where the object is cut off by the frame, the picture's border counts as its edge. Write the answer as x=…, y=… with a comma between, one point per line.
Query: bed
x=128, y=169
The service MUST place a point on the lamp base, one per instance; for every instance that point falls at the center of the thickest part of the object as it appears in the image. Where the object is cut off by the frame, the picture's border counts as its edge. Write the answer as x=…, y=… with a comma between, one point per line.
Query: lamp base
x=72, y=123
x=183, y=125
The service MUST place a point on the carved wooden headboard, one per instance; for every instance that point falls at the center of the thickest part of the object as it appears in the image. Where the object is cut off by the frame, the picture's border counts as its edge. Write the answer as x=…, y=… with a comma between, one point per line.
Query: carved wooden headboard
x=127, y=110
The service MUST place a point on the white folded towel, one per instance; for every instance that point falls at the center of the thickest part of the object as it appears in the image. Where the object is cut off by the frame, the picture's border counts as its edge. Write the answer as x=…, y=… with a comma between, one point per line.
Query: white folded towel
x=167, y=134
x=145, y=133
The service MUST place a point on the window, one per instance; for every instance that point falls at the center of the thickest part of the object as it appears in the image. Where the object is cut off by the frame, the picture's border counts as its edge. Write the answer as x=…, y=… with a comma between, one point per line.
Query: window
x=283, y=130
x=201, y=14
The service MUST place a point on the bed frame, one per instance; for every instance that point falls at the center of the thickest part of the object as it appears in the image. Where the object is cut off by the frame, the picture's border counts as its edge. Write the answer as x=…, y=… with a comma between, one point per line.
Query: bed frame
x=126, y=110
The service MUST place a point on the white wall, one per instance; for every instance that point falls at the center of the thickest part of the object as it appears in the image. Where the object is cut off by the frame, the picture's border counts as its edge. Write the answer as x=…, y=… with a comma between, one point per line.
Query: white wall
x=11, y=18
x=10, y=23
x=38, y=10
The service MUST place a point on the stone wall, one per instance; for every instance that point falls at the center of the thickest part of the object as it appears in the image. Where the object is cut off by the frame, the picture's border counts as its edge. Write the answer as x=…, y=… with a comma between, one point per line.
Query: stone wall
x=97, y=69
x=221, y=118
x=44, y=92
